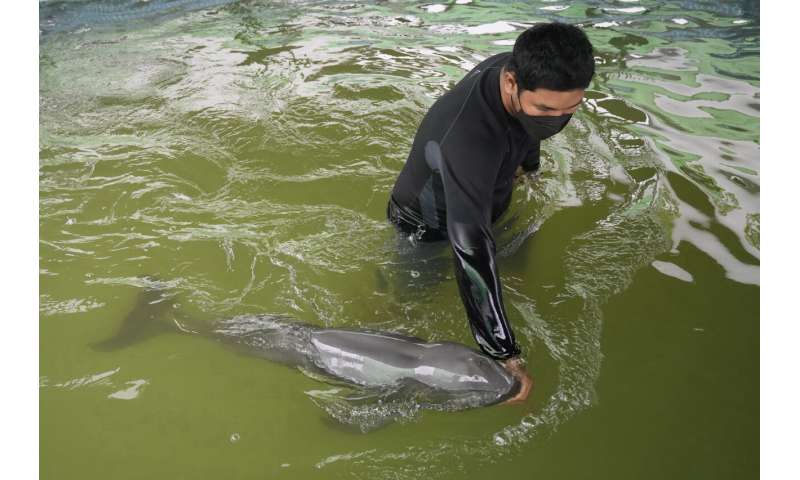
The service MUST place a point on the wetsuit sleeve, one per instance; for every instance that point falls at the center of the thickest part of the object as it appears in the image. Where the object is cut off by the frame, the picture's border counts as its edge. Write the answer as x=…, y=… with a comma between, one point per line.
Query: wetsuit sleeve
x=531, y=161
x=468, y=177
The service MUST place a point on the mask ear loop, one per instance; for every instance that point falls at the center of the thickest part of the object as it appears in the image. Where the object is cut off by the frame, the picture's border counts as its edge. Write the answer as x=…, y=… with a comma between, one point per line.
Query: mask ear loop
x=519, y=111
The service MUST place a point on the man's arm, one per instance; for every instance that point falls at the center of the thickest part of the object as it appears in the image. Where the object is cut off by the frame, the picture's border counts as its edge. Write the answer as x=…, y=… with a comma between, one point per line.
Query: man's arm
x=468, y=191
x=531, y=161
x=528, y=165
x=479, y=285
x=468, y=188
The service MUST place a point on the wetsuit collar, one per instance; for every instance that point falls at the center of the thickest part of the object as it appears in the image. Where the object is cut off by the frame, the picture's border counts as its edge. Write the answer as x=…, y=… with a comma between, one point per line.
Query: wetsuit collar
x=491, y=92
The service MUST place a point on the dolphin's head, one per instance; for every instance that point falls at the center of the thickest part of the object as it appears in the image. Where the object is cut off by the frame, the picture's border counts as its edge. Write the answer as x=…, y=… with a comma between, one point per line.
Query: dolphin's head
x=454, y=367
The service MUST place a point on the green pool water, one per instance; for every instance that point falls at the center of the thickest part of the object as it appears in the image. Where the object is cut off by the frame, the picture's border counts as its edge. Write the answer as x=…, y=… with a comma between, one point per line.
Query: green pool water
x=239, y=156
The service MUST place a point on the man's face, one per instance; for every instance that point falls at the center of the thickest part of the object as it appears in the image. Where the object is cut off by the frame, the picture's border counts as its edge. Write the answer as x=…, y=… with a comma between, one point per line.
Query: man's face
x=544, y=102
x=541, y=101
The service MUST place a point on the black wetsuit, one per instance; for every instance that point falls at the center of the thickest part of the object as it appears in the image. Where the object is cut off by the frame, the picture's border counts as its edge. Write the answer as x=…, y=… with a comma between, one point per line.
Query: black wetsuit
x=457, y=181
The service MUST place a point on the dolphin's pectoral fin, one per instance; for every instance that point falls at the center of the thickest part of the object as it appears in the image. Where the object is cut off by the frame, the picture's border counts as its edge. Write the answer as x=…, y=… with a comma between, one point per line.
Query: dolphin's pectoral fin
x=364, y=408
x=320, y=375
x=370, y=408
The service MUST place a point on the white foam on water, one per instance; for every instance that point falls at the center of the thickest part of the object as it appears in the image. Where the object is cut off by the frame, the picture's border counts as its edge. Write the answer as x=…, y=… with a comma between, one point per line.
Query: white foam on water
x=73, y=305
x=435, y=8
x=486, y=28
x=343, y=456
x=672, y=270
x=131, y=392
x=626, y=9
x=92, y=379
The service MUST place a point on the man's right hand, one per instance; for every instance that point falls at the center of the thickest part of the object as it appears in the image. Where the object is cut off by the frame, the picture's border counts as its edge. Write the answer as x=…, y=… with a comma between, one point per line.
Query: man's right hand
x=517, y=370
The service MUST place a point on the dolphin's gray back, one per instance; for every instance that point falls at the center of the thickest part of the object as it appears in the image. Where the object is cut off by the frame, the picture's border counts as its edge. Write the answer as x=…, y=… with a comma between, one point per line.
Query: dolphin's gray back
x=275, y=338
x=293, y=343
x=368, y=358
x=375, y=358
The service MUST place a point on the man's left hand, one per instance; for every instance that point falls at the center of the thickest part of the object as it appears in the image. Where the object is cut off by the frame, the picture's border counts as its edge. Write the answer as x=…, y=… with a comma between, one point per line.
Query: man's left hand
x=519, y=175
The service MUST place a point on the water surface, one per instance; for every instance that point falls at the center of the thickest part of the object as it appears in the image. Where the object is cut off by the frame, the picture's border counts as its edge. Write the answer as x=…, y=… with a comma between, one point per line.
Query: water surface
x=239, y=155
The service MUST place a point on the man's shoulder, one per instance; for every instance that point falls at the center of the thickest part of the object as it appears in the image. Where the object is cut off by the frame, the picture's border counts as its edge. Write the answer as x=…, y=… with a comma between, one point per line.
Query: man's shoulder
x=464, y=117
x=477, y=121
x=498, y=59
x=494, y=61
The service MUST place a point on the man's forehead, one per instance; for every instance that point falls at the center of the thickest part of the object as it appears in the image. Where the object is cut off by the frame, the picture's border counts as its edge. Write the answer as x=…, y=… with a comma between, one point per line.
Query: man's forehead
x=552, y=99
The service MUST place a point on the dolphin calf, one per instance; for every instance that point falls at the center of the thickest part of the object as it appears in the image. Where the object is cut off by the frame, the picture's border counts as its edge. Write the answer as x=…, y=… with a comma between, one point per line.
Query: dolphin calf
x=385, y=376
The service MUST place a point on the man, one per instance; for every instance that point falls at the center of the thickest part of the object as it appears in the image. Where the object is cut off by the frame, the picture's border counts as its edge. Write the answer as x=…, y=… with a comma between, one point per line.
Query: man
x=472, y=142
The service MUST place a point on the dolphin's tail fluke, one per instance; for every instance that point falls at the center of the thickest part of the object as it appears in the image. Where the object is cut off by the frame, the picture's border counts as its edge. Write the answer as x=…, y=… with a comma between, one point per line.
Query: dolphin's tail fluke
x=150, y=316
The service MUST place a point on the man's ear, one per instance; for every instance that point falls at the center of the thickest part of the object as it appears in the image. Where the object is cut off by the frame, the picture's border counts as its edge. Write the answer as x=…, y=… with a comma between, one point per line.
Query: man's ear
x=509, y=83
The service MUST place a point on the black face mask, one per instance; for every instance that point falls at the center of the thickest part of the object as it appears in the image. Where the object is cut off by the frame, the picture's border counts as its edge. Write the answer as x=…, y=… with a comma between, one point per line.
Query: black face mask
x=540, y=127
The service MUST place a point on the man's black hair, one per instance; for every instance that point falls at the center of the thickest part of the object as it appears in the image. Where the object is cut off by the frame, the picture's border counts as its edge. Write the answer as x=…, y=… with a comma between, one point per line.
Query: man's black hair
x=555, y=56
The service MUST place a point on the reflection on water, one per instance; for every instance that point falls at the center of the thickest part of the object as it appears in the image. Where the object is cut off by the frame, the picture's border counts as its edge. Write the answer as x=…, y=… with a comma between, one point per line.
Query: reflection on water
x=244, y=151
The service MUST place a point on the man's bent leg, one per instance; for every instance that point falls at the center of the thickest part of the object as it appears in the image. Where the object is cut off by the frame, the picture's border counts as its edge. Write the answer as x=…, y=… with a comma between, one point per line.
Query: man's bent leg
x=420, y=262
